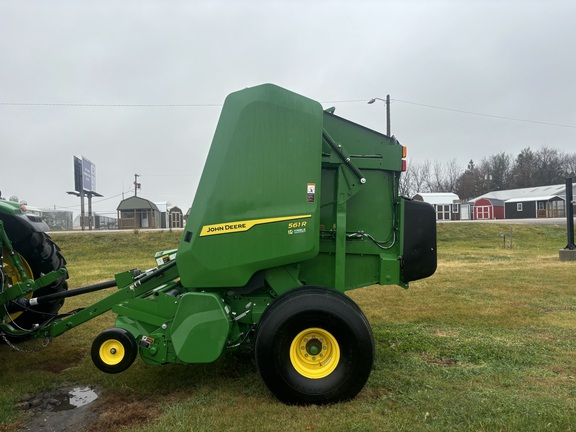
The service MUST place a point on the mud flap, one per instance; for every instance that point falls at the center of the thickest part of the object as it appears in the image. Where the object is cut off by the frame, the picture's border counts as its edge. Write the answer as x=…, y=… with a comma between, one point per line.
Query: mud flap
x=419, y=258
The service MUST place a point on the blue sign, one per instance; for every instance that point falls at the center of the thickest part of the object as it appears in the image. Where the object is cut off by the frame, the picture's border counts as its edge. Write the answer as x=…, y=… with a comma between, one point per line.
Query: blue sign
x=84, y=175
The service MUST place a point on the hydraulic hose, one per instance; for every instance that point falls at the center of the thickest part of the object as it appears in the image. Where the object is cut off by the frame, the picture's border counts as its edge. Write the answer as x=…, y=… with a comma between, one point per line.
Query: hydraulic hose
x=71, y=293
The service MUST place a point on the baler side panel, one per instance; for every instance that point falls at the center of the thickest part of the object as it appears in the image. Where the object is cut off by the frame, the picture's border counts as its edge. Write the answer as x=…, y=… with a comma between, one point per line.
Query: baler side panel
x=370, y=208
x=257, y=204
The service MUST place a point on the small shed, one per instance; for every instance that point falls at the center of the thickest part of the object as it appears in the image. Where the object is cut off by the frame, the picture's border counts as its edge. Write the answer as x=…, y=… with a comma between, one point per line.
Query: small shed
x=466, y=210
x=162, y=222
x=176, y=217
x=446, y=204
x=488, y=208
x=535, y=207
x=137, y=212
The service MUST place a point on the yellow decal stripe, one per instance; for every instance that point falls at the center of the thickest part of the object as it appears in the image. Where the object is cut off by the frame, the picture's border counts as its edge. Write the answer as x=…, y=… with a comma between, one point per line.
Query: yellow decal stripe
x=241, y=226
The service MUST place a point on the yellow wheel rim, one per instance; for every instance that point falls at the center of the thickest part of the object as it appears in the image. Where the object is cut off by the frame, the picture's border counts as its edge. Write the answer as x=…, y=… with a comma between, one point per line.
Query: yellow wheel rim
x=314, y=353
x=112, y=352
x=13, y=277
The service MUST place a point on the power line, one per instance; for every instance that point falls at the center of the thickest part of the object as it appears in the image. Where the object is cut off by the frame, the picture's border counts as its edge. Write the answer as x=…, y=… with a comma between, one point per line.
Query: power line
x=167, y=175
x=345, y=101
x=93, y=202
x=87, y=105
x=485, y=115
x=461, y=112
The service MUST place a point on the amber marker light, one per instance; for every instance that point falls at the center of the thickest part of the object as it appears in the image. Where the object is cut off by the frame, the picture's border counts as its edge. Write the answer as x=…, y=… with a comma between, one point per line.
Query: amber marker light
x=404, y=153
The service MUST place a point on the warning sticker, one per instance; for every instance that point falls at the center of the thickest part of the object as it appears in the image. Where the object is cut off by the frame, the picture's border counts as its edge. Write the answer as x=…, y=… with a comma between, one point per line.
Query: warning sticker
x=311, y=192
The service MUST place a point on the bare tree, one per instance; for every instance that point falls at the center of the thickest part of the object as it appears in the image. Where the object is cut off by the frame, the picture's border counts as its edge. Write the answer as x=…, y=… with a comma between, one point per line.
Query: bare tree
x=569, y=165
x=405, y=187
x=485, y=180
x=431, y=177
x=420, y=173
x=549, y=164
x=453, y=172
x=436, y=179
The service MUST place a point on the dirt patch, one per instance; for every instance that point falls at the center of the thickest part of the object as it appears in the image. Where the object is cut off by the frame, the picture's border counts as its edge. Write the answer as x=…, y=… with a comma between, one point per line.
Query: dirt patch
x=117, y=412
x=56, y=365
x=81, y=409
x=62, y=410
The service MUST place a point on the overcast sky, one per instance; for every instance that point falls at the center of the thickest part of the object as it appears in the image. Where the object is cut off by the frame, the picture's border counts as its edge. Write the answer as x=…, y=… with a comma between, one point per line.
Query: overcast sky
x=66, y=66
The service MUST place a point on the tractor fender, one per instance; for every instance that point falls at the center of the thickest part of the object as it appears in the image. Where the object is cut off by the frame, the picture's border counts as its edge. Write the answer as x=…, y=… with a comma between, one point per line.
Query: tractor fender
x=17, y=223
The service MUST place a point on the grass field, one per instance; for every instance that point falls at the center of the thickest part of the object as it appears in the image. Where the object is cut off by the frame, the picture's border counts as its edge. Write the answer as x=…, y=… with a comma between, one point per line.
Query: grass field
x=487, y=343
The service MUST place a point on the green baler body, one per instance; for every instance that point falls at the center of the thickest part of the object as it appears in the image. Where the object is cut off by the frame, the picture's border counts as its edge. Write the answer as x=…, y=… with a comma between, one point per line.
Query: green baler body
x=300, y=196
x=266, y=150
x=290, y=196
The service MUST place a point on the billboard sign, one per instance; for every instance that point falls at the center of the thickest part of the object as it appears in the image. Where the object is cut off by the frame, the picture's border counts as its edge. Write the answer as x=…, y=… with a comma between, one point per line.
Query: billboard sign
x=89, y=175
x=77, y=174
x=84, y=175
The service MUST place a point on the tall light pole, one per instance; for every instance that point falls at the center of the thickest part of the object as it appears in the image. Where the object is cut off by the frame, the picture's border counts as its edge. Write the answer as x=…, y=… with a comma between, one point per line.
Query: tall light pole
x=387, y=102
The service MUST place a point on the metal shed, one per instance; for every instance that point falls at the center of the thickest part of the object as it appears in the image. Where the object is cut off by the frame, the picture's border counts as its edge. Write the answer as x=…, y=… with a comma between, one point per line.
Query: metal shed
x=137, y=212
x=536, y=207
x=446, y=204
x=488, y=208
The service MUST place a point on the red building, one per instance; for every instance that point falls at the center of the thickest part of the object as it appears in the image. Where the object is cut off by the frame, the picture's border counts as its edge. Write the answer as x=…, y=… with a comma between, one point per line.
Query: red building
x=488, y=208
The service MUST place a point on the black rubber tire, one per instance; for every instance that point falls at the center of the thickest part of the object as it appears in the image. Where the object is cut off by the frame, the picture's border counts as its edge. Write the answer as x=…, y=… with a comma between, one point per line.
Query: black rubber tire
x=42, y=256
x=114, y=350
x=333, y=313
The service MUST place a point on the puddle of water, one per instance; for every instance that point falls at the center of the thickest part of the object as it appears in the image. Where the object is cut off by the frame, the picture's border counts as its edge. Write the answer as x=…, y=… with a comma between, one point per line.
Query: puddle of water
x=75, y=398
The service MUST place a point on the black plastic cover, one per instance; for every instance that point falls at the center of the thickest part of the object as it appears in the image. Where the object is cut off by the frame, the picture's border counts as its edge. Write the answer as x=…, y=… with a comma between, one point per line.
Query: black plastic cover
x=419, y=259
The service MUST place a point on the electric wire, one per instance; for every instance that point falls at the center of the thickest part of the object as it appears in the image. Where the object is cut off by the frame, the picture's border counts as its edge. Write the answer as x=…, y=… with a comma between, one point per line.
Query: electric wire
x=485, y=115
x=211, y=105
x=94, y=105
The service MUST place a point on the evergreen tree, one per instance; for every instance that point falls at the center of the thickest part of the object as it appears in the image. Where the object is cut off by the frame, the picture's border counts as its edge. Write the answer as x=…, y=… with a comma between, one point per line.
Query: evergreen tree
x=549, y=167
x=523, y=172
x=469, y=184
x=501, y=171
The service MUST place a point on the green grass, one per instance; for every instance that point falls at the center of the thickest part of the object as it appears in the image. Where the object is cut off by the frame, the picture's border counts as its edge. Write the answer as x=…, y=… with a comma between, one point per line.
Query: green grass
x=487, y=343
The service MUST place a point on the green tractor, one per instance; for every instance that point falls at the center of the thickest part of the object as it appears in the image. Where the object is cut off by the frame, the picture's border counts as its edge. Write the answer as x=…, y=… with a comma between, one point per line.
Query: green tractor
x=295, y=207
x=31, y=255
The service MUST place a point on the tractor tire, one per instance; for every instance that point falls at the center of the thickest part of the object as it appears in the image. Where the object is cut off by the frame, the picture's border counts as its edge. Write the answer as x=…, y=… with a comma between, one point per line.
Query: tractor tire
x=314, y=346
x=39, y=255
x=114, y=350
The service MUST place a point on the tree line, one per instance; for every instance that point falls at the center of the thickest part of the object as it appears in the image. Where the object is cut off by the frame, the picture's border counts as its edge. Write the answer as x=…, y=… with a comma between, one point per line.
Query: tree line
x=543, y=167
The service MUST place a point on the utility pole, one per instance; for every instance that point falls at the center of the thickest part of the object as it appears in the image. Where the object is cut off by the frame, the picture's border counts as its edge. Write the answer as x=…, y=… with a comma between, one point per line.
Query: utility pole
x=136, y=184
x=388, y=115
x=82, y=212
x=387, y=102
